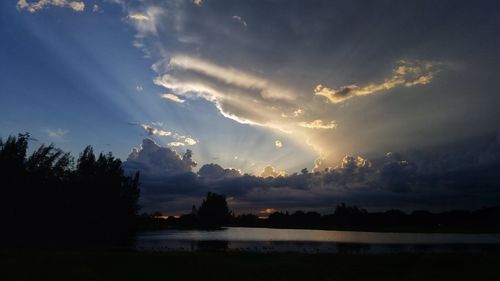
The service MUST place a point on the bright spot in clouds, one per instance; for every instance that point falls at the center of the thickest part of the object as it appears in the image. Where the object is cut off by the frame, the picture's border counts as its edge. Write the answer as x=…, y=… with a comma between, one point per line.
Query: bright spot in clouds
x=278, y=143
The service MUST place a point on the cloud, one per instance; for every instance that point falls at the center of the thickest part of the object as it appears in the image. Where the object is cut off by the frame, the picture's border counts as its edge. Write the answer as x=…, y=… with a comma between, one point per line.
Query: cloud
x=145, y=21
x=138, y=17
x=56, y=133
x=264, y=76
x=239, y=20
x=238, y=95
x=198, y=2
x=298, y=112
x=96, y=8
x=139, y=88
x=180, y=140
x=155, y=131
x=173, y=98
x=33, y=7
x=190, y=141
x=318, y=124
x=269, y=171
x=278, y=144
x=215, y=171
x=350, y=162
x=76, y=6
x=407, y=74
x=394, y=181
x=156, y=161
x=176, y=144
x=229, y=75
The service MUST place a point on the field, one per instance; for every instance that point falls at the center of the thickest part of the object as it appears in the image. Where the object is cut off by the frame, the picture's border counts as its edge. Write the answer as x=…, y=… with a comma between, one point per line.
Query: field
x=26, y=265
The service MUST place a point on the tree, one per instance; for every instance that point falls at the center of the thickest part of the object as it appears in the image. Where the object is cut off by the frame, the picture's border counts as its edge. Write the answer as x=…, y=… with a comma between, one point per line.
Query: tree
x=106, y=198
x=94, y=201
x=213, y=212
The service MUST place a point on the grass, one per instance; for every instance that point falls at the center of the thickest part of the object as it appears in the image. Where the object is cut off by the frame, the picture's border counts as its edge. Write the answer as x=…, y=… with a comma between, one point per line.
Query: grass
x=26, y=265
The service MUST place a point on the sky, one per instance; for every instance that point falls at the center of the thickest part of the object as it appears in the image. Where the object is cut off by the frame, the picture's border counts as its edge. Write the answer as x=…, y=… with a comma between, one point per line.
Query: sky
x=387, y=104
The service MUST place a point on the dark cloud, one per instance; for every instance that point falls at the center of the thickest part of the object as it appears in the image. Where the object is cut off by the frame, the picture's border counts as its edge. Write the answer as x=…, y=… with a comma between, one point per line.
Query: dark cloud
x=451, y=177
x=215, y=171
x=156, y=161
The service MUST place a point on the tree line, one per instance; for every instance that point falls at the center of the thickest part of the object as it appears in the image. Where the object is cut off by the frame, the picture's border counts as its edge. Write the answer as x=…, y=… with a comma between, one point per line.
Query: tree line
x=51, y=197
x=344, y=217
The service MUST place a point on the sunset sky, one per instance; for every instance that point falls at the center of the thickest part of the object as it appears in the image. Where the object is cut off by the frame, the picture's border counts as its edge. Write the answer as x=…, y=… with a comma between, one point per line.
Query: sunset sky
x=391, y=103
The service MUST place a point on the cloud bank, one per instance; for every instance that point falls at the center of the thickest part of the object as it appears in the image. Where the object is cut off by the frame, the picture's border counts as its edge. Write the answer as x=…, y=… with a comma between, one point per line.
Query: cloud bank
x=420, y=180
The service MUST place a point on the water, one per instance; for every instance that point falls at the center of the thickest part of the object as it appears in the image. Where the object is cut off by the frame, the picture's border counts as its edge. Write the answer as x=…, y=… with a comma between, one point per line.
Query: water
x=313, y=241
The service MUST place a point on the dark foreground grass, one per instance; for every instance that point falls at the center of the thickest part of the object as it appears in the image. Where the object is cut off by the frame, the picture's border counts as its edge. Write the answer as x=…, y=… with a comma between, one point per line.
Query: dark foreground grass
x=144, y=266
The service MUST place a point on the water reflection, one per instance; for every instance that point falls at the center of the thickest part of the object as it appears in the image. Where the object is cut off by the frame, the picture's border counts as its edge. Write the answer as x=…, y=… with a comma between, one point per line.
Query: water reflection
x=313, y=241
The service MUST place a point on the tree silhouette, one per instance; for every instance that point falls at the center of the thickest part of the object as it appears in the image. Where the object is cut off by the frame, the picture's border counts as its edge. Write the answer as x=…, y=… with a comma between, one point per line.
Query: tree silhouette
x=213, y=212
x=93, y=202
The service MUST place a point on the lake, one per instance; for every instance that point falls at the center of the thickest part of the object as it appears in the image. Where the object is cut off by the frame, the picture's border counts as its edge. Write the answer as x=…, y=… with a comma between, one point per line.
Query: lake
x=313, y=241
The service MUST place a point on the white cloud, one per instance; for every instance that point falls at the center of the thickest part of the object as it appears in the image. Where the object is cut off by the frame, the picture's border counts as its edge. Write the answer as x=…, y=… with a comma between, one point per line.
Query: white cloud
x=240, y=20
x=180, y=140
x=32, y=7
x=138, y=17
x=145, y=21
x=176, y=143
x=318, y=124
x=239, y=95
x=154, y=131
x=230, y=75
x=77, y=6
x=190, y=141
x=198, y=2
x=298, y=112
x=269, y=171
x=173, y=98
x=139, y=88
x=56, y=133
